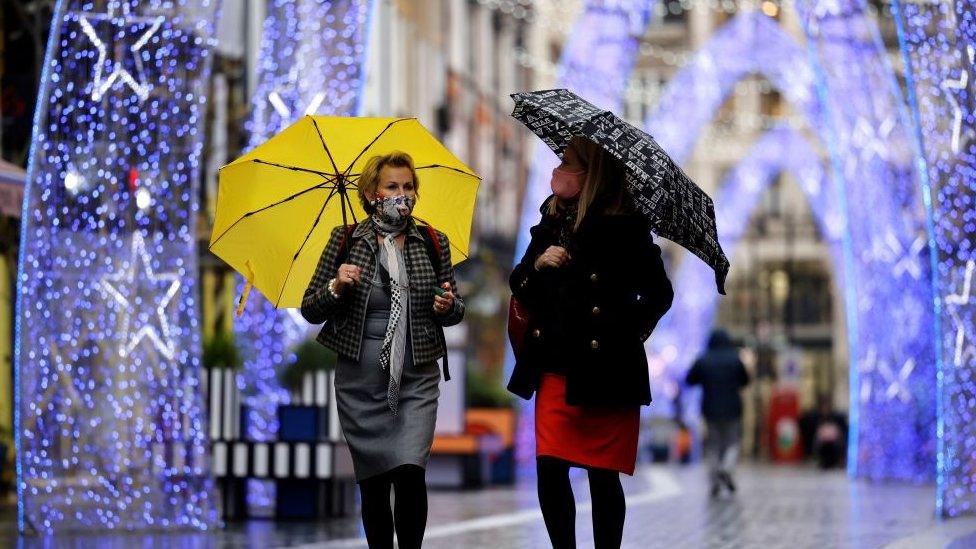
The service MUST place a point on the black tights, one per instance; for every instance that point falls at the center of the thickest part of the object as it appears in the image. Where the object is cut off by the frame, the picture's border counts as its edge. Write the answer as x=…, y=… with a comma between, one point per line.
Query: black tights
x=559, y=507
x=409, y=514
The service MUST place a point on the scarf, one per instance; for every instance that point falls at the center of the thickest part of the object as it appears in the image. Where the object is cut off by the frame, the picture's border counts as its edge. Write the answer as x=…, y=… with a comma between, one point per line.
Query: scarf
x=566, y=221
x=391, y=218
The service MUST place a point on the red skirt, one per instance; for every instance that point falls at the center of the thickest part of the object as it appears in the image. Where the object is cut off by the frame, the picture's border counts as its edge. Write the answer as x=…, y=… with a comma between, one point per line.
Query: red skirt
x=605, y=438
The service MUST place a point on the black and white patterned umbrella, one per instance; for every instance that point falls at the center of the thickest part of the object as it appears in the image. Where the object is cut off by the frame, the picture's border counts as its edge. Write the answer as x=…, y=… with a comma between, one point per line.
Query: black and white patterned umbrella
x=676, y=207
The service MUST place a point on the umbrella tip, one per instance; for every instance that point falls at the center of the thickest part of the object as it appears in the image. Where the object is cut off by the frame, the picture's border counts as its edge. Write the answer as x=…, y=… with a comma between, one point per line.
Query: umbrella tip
x=720, y=280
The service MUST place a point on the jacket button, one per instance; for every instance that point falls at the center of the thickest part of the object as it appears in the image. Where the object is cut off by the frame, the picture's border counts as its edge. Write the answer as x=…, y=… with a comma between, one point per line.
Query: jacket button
x=596, y=310
x=594, y=344
x=594, y=278
x=536, y=333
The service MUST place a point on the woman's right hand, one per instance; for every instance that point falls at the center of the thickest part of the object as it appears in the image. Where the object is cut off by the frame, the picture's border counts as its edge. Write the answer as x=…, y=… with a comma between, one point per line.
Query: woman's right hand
x=346, y=275
x=554, y=257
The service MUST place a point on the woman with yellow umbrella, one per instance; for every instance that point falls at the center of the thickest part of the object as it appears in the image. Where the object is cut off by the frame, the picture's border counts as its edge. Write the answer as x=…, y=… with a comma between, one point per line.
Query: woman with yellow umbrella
x=385, y=288
x=383, y=306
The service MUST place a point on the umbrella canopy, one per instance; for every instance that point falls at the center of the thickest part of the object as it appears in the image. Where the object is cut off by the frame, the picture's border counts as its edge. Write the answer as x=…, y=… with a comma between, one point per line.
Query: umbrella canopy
x=277, y=204
x=675, y=206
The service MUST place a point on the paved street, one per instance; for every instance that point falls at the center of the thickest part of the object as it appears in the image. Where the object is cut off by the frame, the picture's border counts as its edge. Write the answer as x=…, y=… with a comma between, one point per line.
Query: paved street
x=667, y=507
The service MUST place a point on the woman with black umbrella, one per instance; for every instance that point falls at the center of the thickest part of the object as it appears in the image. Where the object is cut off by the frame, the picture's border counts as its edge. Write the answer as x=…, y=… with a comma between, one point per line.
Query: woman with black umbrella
x=595, y=287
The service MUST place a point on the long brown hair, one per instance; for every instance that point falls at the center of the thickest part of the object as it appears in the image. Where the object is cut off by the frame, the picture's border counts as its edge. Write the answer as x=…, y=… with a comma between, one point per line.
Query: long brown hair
x=603, y=187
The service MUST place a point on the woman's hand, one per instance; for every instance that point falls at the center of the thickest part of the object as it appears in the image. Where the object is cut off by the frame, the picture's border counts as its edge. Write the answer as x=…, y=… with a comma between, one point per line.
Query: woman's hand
x=444, y=304
x=554, y=257
x=346, y=275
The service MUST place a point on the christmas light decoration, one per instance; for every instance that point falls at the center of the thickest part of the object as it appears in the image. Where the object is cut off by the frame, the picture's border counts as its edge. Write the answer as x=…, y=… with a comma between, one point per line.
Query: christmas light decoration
x=938, y=43
x=108, y=411
x=682, y=337
x=880, y=263
x=889, y=295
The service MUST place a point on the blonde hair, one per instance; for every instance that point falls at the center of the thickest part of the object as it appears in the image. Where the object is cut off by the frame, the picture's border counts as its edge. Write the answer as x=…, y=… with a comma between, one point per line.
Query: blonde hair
x=369, y=179
x=604, y=183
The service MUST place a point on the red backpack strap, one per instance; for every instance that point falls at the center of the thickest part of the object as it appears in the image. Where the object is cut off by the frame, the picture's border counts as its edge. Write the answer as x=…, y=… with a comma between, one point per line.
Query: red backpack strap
x=434, y=240
x=434, y=245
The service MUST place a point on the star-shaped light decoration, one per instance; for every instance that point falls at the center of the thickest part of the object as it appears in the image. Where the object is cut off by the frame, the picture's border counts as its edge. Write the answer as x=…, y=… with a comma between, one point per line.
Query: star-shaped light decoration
x=142, y=306
x=898, y=384
x=826, y=8
x=872, y=141
x=122, y=28
x=963, y=87
x=279, y=104
x=909, y=262
x=889, y=250
x=964, y=348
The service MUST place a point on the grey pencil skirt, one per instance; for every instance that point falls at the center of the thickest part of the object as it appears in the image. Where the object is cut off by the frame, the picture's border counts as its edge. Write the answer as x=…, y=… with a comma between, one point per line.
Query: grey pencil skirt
x=377, y=440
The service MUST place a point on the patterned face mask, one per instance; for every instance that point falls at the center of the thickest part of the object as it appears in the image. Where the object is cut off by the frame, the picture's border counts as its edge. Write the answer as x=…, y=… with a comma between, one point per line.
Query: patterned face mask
x=393, y=210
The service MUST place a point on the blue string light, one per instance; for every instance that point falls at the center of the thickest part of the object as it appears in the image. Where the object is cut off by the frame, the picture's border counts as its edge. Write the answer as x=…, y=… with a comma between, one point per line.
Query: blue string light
x=938, y=42
x=890, y=317
x=109, y=415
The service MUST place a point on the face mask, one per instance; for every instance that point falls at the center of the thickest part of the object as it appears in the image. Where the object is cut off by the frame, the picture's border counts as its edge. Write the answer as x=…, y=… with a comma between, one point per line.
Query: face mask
x=566, y=185
x=393, y=210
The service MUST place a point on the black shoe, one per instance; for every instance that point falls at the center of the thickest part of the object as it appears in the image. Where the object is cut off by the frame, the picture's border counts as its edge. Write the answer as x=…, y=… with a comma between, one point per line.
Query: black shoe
x=727, y=479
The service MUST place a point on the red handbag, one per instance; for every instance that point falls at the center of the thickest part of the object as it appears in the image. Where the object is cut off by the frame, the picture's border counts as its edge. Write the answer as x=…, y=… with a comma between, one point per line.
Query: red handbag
x=518, y=324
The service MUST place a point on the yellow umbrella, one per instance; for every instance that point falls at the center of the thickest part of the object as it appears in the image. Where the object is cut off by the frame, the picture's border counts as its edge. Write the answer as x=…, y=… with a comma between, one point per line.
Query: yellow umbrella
x=277, y=205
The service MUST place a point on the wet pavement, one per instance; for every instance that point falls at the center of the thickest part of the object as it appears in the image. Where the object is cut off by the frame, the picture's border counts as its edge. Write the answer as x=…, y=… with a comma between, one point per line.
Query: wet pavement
x=668, y=507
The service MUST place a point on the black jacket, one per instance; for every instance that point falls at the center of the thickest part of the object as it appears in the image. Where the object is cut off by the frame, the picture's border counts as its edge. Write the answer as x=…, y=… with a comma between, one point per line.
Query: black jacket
x=721, y=374
x=593, y=314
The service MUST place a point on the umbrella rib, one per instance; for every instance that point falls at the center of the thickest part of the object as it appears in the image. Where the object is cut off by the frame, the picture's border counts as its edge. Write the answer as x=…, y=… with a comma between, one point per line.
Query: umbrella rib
x=353, y=183
x=293, y=168
x=446, y=168
x=324, y=146
x=366, y=148
x=322, y=185
x=294, y=258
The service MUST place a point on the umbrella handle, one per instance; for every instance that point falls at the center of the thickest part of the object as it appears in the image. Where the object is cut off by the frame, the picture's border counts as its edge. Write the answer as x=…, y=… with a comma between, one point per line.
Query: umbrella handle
x=247, y=288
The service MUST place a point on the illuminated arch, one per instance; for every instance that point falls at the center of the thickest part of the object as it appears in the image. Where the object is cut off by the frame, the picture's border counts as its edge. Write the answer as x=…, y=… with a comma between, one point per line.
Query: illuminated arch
x=866, y=136
x=751, y=43
x=782, y=149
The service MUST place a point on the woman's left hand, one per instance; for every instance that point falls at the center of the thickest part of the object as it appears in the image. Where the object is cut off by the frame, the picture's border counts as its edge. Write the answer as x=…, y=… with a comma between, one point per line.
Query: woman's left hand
x=444, y=305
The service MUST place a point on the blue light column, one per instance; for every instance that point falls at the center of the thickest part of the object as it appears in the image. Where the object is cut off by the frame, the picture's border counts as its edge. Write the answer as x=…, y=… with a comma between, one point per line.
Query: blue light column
x=893, y=358
x=938, y=42
x=110, y=425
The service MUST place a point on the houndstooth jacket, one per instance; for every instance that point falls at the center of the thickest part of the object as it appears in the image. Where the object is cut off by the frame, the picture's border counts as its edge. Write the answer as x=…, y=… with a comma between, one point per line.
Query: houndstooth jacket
x=344, y=317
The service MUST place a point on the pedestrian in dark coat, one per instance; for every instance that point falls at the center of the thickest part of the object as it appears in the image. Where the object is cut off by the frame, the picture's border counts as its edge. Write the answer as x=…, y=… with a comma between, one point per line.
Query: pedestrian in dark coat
x=722, y=376
x=595, y=286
